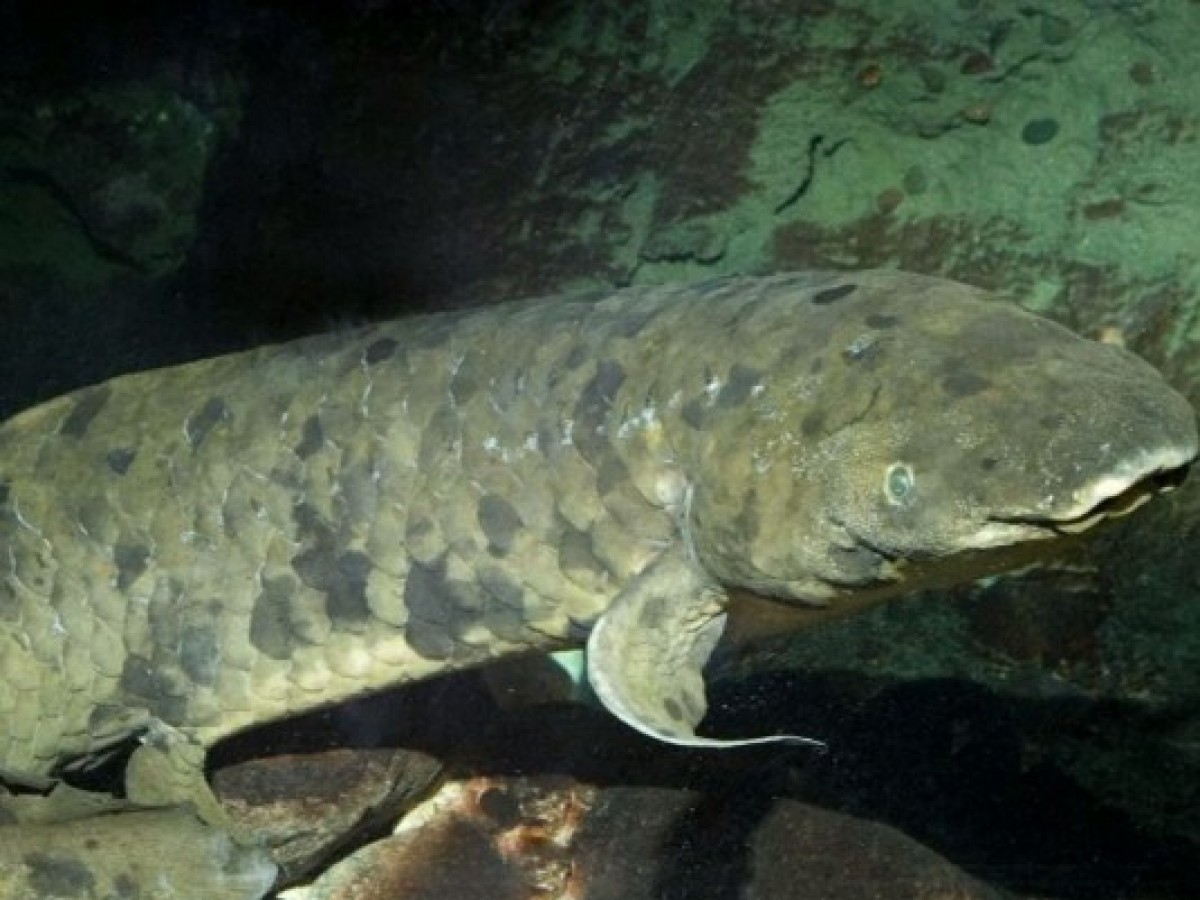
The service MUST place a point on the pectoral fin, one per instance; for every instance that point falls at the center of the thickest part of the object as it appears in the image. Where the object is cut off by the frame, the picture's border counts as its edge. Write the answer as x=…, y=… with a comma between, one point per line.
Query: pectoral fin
x=646, y=654
x=168, y=770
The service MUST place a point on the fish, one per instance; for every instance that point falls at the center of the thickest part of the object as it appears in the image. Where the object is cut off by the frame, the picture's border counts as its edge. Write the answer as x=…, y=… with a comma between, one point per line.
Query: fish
x=189, y=552
x=152, y=854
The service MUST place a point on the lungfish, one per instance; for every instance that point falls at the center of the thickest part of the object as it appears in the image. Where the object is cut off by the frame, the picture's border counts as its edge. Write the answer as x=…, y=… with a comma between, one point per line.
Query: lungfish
x=189, y=552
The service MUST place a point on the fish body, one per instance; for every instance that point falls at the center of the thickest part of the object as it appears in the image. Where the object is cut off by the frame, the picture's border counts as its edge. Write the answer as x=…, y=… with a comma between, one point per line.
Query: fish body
x=188, y=552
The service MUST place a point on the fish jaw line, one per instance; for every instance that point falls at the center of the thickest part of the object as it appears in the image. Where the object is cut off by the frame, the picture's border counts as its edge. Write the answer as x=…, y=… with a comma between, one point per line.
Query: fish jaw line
x=1113, y=495
x=1123, y=490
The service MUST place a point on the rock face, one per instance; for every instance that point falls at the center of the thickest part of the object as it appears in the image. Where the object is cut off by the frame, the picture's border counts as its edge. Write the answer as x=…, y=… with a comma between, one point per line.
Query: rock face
x=550, y=838
x=309, y=808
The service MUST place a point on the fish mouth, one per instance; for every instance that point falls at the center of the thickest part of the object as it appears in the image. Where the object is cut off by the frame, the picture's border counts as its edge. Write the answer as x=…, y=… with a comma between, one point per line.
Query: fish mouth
x=1111, y=496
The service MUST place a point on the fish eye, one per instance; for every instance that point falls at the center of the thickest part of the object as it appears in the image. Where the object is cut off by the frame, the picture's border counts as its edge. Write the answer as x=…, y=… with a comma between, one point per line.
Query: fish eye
x=899, y=483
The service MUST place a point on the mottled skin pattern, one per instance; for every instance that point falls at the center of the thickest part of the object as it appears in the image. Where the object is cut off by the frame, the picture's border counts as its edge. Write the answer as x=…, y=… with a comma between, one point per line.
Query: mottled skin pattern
x=195, y=550
x=222, y=543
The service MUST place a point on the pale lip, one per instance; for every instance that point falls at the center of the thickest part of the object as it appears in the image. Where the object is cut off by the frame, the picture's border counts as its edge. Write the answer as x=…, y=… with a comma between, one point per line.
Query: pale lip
x=1112, y=495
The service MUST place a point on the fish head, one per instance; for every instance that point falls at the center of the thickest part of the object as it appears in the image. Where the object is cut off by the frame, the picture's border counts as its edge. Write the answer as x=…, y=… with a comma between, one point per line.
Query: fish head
x=941, y=438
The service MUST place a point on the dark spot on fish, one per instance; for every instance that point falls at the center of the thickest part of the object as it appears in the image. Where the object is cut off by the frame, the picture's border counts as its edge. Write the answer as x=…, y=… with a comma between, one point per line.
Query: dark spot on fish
x=882, y=320
x=964, y=383
x=592, y=408
x=120, y=460
x=10, y=604
x=312, y=437
x=500, y=522
x=1053, y=421
x=602, y=389
x=464, y=384
x=503, y=609
x=164, y=627
x=270, y=620
x=833, y=294
x=612, y=474
x=358, y=491
x=817, y=365
x=500, y=585
x=746, y=523
x=51, y=875
x=198, y=653
x=5, y=490
x=309, y=524
x=440, y=438
x=198, y=426
x=417, y=529
x=341, y=577
x=549, y=439
x=87, y=406
x=673, y=709
x=988, y=463
x=653, y=615
x=422, y=539
x=430, y=605
x=577, y=357
x=131, y=563
x=288, y=476
x=575, y=553
x=379, y=350
x=695, y=413
x=631, y=322
x=125, y=887
x=148, y=686
x=347, y=597
x=739, y=384
x=813, y=423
